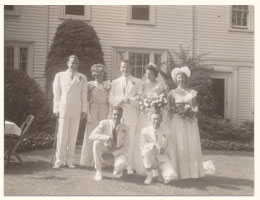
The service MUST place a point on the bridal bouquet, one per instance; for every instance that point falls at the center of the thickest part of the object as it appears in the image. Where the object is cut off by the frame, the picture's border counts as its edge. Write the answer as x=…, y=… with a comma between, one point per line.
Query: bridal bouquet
x=186, y=110
x=153, y=102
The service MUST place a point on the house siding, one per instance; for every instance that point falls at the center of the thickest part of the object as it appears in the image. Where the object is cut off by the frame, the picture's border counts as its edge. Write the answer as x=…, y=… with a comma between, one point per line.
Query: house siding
x=202, y=28
x=30, y=26
x=229, y=49
x=172, y=28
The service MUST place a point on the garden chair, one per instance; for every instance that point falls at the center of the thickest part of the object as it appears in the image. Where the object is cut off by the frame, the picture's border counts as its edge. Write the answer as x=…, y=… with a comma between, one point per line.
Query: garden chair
x=12, y=147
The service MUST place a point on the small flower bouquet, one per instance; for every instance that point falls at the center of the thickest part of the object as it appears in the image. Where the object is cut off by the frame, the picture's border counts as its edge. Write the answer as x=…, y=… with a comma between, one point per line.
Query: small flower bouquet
x=107, y=85
x=186, y=111
x=153, y=102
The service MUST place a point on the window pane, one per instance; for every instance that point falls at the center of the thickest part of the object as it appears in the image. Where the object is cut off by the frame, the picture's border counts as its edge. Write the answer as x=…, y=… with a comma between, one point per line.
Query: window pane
x=140, y=12
x=9, y=57
x=244, y=22
x=240, y=7
x=23, y=59
x=245, y=7
x=138, y=62
x=9, y=7
x=157, y=59
x=234, y=7
x=74, y=10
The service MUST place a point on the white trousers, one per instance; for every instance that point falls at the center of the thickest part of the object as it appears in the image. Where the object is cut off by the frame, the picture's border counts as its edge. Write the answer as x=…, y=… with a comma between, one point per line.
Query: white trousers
x=99, y=148
x=130, y=152
x=66, y=140
x=152, y=159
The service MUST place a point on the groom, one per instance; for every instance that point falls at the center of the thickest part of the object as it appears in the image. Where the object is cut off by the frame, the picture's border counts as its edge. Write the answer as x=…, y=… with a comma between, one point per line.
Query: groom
x=111, y=137
x=123, y=93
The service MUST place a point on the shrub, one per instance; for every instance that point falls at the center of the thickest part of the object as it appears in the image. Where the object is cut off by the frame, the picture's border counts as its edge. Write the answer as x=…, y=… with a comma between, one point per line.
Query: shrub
x=23, y=96
x=199, y=80
x=73, y=37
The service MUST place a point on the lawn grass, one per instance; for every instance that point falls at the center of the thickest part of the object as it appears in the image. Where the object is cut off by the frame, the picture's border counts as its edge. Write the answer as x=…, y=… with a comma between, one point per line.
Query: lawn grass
x=234, y=176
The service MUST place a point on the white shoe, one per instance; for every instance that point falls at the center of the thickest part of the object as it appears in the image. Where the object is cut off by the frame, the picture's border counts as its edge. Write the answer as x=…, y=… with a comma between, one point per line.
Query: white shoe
x=57, y=166
x=149, y=178
x=98, y=176
x=71, y=166
x=118, y=175
x=130, y=171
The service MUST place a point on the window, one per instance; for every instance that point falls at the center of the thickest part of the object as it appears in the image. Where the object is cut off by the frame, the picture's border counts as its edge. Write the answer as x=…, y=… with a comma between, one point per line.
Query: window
x=12, y=10
x=138, y=62
x=141, y=14
x=138, y=59
x=241, y=18
x=75, y=12
x=19, y=55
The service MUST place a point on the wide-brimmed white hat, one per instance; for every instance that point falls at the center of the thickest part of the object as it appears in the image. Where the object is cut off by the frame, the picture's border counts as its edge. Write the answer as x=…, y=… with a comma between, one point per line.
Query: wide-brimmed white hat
x=178, y=70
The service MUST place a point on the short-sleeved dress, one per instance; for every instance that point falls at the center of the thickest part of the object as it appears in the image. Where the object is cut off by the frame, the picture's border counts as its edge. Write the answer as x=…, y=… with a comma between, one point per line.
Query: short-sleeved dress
x=185, y=152
x=99, y=109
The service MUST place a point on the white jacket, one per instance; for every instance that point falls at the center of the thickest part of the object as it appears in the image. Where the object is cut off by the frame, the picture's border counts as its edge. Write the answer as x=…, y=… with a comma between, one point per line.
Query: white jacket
x=70, y=97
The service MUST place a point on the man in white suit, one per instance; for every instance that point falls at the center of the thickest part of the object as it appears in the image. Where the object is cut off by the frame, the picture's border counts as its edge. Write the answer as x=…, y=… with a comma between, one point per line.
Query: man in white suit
x=123, y=93
x=153, y=145
x=69, y=104
x=111, y=137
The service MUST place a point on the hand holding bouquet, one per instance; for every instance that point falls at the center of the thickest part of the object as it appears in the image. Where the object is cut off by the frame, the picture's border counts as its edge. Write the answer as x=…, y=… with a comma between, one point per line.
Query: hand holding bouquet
x=186, y=111
x=153, y=102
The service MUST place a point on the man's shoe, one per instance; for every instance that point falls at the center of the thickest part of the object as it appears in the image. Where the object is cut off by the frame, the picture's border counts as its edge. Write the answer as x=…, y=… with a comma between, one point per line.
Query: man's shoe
x=98, y=176
x=130, y=171
x=117, y=174
x=149, y=178
x=57, y=166
x=71, y=166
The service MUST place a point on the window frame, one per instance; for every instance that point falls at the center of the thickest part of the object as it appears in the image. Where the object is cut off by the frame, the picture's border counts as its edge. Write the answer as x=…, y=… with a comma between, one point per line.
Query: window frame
x=30, y=49
x=125, y=53
x=15, y=12
x=86, y=17
x=152, y=16
x=250, y=21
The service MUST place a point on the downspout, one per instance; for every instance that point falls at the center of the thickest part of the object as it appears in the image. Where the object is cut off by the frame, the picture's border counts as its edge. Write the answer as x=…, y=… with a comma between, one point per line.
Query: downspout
x=47, y=43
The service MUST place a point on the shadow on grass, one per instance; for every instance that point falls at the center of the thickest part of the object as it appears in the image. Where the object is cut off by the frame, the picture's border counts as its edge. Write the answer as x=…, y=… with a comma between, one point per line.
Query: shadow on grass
x=16, y=168
x=213, y=181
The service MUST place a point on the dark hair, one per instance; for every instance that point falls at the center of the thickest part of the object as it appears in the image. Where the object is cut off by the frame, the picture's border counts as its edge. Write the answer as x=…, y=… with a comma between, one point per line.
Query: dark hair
x=118, y=108
x=72, y=56
x=152, y=68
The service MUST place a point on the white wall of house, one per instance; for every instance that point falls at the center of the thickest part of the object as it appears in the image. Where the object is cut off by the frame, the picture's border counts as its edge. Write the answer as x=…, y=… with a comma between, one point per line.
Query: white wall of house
x=28, y=27
x=203, y=29
x=230, y=52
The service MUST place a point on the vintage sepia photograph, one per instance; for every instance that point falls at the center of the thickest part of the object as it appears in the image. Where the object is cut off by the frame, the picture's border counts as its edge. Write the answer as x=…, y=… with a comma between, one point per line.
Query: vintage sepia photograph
x=128, y=100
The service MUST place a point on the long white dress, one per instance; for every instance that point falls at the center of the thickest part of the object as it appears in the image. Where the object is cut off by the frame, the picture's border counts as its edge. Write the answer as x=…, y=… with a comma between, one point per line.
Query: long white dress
x=147, y=90
x=99, y=109
x=185, y=152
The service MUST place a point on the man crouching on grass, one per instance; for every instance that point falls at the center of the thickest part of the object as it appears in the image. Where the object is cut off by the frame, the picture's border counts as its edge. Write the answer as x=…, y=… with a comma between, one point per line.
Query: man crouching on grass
x=112, y=137
x=153, y=145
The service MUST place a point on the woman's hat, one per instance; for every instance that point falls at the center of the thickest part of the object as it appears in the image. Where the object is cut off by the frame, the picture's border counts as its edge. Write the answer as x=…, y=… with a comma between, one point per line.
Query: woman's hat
x=178, y=70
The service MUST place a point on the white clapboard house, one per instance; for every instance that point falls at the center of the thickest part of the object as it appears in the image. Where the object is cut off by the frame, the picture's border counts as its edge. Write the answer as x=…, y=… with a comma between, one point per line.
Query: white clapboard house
x=142, y=34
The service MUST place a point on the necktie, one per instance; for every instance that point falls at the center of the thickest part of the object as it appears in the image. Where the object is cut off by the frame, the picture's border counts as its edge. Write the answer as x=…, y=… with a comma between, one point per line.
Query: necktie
x=125, y=85
x=156, y=135
x=114, y=136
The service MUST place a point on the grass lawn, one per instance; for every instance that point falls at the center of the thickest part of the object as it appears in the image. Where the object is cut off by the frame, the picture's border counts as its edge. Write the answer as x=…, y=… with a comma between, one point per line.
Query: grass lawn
x=234, y=176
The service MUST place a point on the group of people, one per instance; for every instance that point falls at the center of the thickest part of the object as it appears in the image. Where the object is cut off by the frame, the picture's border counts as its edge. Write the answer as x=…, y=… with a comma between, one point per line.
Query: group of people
x=152, y=141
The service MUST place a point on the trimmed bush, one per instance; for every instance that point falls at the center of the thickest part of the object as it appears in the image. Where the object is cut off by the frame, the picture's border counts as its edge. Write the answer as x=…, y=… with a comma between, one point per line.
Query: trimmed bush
x=73, y=37
x=23, y=96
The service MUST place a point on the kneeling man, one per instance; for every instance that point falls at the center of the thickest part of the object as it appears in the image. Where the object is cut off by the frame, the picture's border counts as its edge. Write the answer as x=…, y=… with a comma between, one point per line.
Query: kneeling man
x=111, y=137
x=153, y=146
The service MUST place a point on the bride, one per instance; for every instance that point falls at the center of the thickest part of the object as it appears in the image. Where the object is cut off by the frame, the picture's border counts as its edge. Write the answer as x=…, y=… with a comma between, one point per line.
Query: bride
x=150, y=87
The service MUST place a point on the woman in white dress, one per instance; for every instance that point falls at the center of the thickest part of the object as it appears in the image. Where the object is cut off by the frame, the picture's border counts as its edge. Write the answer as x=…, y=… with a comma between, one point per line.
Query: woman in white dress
x=150, y=88
x=98, y=91
x=186, y=149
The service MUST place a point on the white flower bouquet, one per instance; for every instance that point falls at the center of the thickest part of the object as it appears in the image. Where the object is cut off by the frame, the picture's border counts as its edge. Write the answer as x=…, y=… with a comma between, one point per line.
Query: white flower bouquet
x=185, y=110
x=153, y=102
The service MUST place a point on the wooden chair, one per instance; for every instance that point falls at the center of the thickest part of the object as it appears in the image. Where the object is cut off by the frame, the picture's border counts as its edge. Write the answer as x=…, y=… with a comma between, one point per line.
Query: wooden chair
x=11, y=150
